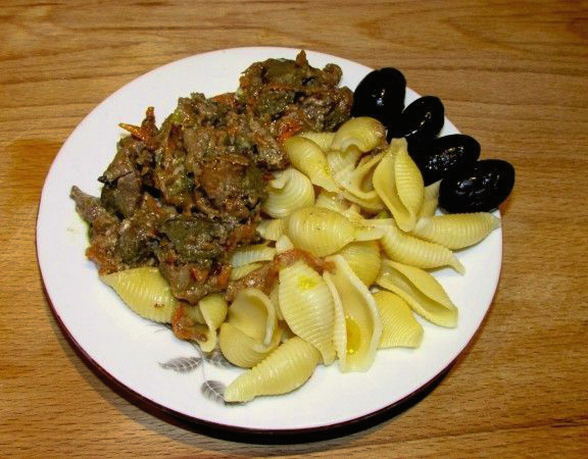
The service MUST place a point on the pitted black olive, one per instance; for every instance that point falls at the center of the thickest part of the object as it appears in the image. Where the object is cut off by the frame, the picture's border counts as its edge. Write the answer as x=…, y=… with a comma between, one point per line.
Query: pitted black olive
x=420, y=121
x=480, y=188
x=380, y=95
x=444, y=155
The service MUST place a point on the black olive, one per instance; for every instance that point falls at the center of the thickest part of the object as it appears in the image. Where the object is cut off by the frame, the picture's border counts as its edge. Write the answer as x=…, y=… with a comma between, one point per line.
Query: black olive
x=480, y=188
x=444, y=155
x=380, y=95
x=420, y=121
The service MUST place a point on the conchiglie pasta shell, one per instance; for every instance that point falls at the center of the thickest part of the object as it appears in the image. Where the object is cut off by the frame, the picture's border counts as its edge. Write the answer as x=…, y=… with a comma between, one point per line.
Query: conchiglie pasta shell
x=319, y=231
x=290, y=190
x=359, y=182
x=372, y=229
x=358, y=326
x=332, y=201
x=271, y=229
x=404, y=248
x=242, y=350
x=307, y=307
x=457, y=231
x=363, y=132
x=145, y=291
x=274, y=297
x=252, y=254
x=430, y=200
x=322, y=139
x=420, y=290
x=253, y=313
x=242, y=271
x=399, y=184
x=340, y=161
x=213, y=309
x=283, y=244
x=364, y=259
x=400, y=328
x=285, y=369
x=373, y=204
x=307, y=157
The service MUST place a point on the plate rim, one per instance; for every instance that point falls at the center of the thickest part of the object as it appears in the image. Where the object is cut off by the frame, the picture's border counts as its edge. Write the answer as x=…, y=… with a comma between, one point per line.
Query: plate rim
x=216, y=428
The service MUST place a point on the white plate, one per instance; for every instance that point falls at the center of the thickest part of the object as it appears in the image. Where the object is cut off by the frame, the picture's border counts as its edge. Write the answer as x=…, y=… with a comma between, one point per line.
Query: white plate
x=128, y=349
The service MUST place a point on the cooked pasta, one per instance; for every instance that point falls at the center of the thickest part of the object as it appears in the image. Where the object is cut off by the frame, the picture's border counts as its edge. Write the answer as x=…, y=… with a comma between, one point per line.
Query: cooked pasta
x=399, y=327
x=420, y=290
x=145, y=291
x=322, y=139
x=252, y=254
x=399, y=184
x=320, y=231
x=307, y=307
x=457, y=231
x=285, y=369
x=290, y=190
x=404, y=248
x=242, y=350
x=364, y=259
x=271, y=229
x=363, y=132
x=252, y=312
x=242, y=271
x=307, y=157
x=358, y=326
x=430, y=200
x=213, y=309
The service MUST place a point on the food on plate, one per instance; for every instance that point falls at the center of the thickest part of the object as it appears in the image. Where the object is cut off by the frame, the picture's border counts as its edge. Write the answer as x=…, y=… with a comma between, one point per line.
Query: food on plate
x=444, y=155
x=380, y=95
x=456, y=231
x=480, y=188
x=399, y=327
x=268, y=224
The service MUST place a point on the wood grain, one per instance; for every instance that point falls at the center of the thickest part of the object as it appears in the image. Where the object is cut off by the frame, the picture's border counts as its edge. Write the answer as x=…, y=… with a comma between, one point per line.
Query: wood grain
x=512, y=73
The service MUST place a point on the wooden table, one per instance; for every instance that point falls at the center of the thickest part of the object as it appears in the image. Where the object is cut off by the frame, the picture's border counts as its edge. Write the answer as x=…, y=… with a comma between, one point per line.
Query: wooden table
x=511, y=73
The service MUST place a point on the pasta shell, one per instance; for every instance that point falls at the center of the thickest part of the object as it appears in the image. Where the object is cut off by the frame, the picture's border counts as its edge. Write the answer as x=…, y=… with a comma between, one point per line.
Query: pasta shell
x=371, y=229
x=242, y=271
x=362, y=132
x=404, y=248
x=322, y=139
x=145, y=291
x=285, y=369
x=358, y=326
x=342, y=162
x=373, y=204
x=274, y=297
x=364, y=259
x=242, y=350
x=252, y=254
x=271, y=229
x=307, y=157
x=307, y=307
x=290, y=190
x=358, y=186
x=332, y=201
x=284, y=244
x=399, y=327
x=430, y=200
x=420, y=290
x=213, y=309
x=399, y=184
x=457, y=231
x=253, y=313
x=319, y=231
